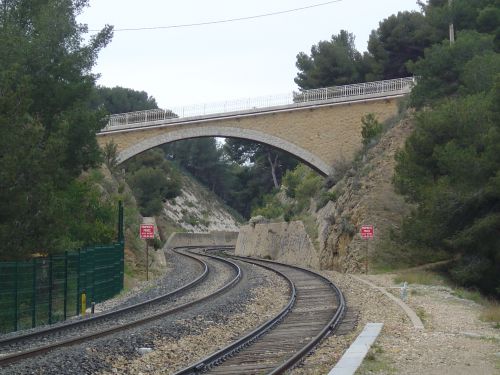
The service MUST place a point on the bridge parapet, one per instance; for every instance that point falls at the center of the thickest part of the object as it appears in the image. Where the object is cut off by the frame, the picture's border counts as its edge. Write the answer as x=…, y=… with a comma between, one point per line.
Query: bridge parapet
x=314, y=97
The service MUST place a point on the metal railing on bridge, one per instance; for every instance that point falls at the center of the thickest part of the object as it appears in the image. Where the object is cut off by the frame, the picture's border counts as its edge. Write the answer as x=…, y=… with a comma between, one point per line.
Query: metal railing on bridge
x=335, y=94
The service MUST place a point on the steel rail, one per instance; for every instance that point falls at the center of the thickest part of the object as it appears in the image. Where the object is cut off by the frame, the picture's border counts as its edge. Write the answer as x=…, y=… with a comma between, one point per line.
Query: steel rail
x=220, y=356
x=327, y=330
x=16, y=357
x=109, y=314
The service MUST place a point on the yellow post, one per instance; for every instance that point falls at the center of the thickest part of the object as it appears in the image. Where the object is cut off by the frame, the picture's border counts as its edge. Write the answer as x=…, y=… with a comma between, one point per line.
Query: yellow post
x=84, y=302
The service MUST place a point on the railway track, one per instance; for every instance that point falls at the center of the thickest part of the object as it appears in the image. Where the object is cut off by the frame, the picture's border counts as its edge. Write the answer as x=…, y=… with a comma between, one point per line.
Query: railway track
x=19, y=347
x=315, y=309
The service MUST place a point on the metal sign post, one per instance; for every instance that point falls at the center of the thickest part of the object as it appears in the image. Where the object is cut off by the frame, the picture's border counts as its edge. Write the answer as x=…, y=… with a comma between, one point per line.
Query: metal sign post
x=147, y=231
x=367, y=233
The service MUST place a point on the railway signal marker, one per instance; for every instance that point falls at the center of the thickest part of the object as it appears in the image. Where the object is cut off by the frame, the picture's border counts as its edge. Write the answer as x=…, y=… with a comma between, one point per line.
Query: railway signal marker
x=366, y=231
x=147, y=231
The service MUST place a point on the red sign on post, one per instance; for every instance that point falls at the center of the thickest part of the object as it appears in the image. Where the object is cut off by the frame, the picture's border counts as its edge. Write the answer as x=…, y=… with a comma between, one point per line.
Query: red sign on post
x=366, y=231
x=147, y=231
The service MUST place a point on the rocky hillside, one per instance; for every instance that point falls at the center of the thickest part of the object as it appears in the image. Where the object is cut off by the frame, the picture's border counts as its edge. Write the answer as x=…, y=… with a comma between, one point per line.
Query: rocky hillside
x=365, y=196
x=332, y=211
x=198, y=210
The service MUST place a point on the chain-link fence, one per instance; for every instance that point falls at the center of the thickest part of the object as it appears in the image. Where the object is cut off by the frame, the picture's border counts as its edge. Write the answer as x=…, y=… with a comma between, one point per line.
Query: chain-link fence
x=47, y=290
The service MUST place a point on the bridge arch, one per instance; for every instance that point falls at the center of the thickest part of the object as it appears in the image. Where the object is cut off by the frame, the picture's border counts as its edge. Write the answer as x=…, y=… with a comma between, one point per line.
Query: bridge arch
x=319, y=127
x=227, y=132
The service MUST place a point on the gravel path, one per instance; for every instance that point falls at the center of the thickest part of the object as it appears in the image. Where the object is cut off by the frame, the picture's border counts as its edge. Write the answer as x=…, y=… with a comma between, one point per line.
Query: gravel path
x=99, y=356
x=454, y=340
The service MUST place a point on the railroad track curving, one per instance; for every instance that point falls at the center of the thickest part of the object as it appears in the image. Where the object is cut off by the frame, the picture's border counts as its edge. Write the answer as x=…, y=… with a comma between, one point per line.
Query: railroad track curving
x=23, y=346
x=315, y=309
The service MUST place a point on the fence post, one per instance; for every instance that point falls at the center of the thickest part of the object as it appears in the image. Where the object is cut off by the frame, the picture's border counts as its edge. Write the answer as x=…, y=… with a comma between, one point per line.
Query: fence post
x=84, y=302
x=122, y=264
x=65, y=284
x=78, y=283
x=121, y=242
x=50, y=288
x=16, y=302
x=120, y=221
x=33, y=294
x=93, y=274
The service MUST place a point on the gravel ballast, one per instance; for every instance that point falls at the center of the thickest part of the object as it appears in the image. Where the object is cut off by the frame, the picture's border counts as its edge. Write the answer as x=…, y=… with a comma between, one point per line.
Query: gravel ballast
x=180, y=271
x=171, y=355
x=453, y=341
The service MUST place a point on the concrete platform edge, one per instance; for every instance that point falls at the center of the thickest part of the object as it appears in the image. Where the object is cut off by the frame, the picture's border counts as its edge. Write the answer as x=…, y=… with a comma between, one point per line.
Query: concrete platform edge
x=354, y=356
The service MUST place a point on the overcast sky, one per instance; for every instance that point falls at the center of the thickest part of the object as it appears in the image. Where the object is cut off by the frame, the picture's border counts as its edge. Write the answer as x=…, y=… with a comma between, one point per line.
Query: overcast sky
x=225, y=61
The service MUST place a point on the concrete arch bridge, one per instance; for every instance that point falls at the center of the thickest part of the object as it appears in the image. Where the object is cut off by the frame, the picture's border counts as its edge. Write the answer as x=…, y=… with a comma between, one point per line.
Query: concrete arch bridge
x=317, y=126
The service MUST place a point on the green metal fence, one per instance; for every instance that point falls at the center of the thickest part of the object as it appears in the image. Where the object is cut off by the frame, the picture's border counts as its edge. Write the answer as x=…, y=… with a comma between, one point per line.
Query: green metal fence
x=47, y=290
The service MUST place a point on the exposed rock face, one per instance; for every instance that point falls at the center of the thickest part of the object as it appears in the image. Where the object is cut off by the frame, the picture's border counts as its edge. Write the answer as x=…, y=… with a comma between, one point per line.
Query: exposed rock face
x=202, y=239
x=198, y=210
x=366, y=196
x=287, y=242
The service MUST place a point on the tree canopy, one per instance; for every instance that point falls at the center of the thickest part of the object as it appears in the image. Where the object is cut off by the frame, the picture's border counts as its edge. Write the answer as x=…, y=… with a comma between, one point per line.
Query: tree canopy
x=240, y=172
x=48, y=130
x=153, y=180
x=335, y=62
x=450, y=165
x=120, y=100
x=398, y=40
x=260, y=155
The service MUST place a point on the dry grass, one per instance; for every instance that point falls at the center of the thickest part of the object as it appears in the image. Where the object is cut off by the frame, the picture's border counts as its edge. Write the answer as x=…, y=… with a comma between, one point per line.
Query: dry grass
x=491, y=313
x=375, y=362
x=419, y=277
x=491, y=308
x=390, y=256
x=470, y=294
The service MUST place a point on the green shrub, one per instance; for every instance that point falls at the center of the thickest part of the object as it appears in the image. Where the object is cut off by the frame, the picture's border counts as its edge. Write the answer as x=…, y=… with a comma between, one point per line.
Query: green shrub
x=290, y=181
x=288, y=214
x=272, y=208
x=371, y=129
x=157, y=243
x=152, y=180
x=309, y=186
x=191, y=219
x=347, y=227
x=110, y=155
x=325, y=197
x=151, y=207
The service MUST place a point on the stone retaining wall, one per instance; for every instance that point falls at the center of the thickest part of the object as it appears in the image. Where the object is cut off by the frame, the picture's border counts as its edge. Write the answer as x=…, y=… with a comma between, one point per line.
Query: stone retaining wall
x=287, y=242
x=202, y=239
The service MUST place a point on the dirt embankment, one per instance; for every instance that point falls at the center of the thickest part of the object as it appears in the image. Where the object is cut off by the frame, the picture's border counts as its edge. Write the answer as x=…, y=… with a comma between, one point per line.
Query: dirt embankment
x=366, y=196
